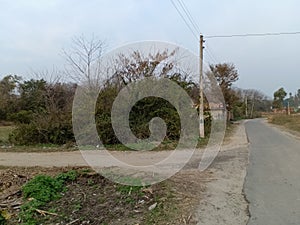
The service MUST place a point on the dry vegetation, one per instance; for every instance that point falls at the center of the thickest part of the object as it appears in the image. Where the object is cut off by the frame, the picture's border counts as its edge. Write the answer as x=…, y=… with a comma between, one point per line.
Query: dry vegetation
x=291, y=122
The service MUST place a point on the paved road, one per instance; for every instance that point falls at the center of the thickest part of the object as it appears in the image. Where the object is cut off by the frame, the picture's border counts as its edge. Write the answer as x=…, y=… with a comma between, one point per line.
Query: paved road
x=273, y=177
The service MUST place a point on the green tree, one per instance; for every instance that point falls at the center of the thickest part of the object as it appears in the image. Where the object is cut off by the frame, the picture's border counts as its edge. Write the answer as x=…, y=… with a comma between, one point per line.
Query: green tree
x=279, y=96
x=226, y=74
x=33, y=95
x=130, y=69
x=8, y=95
x=46, y=113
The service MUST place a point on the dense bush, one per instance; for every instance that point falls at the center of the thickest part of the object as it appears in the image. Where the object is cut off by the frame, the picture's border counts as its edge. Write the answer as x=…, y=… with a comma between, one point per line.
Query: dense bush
x=43, y=132
x=45, y=114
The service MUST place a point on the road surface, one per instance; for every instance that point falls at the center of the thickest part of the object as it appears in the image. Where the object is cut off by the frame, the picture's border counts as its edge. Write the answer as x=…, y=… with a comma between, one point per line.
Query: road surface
x=273, y=177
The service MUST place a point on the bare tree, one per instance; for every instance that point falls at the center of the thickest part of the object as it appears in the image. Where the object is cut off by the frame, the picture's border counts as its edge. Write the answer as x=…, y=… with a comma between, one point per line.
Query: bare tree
x=84, y=60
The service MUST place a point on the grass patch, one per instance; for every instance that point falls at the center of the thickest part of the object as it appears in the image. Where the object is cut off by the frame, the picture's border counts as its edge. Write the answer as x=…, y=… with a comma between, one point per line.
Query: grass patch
x=291, y=122
x=41, y=190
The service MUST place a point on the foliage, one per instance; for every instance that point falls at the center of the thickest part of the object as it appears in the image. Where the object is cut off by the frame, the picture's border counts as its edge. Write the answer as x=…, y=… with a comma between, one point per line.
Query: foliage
x=45, y=113
x=226, y=74
x=2, y=220
x=32, y=95
x=23, y=116
x=131, y=69
x=4, y=134
x=41, y=190
x=279, y=96
x=8, y=96
x=68, y=176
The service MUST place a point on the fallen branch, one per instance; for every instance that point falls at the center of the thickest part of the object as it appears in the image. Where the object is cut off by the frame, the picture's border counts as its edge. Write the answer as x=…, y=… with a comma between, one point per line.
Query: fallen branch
x=44, y=213
x=74, y=221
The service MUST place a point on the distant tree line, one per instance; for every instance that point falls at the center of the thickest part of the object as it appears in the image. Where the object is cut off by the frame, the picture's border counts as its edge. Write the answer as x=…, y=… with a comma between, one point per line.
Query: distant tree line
x=283, y=100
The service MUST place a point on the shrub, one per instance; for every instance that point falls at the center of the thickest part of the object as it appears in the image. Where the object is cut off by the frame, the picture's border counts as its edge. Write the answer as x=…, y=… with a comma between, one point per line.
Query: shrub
x=43, y=188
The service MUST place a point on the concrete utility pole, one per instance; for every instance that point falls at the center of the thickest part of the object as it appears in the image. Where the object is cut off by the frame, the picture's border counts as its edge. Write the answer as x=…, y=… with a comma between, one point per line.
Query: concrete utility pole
x=246, y=104
x=201, y=106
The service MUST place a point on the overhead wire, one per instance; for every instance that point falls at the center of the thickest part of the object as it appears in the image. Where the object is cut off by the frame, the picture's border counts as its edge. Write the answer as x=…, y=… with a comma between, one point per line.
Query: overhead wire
x=191, y=23
x=253, y=35
x=185, y=21
x=189, y=15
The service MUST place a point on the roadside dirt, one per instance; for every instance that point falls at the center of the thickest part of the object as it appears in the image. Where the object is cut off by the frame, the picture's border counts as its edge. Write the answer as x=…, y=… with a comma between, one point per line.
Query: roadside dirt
x=223, y=201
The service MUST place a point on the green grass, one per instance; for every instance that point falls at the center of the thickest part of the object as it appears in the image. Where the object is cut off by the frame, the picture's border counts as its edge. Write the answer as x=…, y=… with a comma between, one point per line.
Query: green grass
x=291, y=122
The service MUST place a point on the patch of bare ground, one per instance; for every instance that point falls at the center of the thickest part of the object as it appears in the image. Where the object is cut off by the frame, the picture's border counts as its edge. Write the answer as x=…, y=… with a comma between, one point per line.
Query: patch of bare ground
x=224, y=202
x=93, y=199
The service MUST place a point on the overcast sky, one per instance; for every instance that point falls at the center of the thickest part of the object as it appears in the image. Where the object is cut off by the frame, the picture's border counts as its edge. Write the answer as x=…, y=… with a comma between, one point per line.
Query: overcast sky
x=33, y=33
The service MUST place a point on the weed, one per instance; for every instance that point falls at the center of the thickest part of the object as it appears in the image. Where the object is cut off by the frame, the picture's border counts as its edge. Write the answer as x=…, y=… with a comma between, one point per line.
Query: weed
x=90, y=182
x=41, y=190
x=2, y=220
x=130, y=194
x=68, y=176
x=77, y=206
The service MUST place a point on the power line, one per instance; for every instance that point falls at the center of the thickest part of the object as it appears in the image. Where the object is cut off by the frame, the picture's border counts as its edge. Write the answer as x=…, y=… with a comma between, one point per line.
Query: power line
x=189, y=15
x=253, y=35
x=185, y=21
x=188, y=19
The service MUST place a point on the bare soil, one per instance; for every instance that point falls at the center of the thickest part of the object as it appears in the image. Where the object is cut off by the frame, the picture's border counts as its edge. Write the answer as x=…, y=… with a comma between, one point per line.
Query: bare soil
x=92, y=199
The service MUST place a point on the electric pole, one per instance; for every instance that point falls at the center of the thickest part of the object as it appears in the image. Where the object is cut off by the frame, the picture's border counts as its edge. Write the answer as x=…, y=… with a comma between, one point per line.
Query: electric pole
x=246, y=104
x=201, y=106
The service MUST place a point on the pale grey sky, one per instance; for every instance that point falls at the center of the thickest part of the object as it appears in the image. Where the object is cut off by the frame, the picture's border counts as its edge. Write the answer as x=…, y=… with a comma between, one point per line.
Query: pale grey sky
x=33, y=33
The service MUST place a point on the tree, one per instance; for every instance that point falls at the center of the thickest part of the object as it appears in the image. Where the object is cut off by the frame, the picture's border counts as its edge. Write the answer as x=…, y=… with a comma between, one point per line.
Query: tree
x=8, y=95
x=32, y=95
x=279, y=96
x=226, y=74
x=44, y=113
x=251, y=103
x=84, y=60
x=132, y=68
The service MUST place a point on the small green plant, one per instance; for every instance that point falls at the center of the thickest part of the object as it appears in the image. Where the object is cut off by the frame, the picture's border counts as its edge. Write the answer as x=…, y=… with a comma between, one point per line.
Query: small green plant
x=68, y=176
x=131, y=193
x=90, y=182
x=2, y=220
x=41, y=190
x=77, y=206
